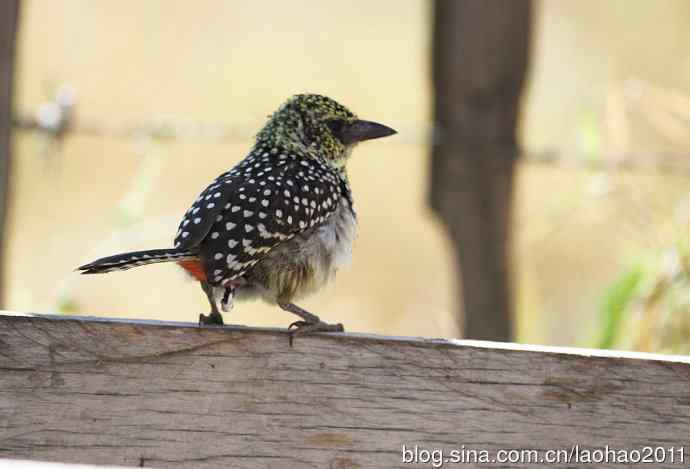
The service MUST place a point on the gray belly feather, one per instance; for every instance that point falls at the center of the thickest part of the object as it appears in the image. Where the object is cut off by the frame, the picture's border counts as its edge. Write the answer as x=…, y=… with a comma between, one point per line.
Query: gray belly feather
x=306, y=262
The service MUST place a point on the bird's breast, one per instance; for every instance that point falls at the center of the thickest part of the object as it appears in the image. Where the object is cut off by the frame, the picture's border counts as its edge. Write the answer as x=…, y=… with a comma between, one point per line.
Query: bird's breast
x=308, y=261
x=335, y=238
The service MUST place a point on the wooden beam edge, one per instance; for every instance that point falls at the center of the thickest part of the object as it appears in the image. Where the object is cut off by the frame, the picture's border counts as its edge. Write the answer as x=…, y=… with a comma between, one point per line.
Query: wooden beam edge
x=360, y=336
x=29, y=464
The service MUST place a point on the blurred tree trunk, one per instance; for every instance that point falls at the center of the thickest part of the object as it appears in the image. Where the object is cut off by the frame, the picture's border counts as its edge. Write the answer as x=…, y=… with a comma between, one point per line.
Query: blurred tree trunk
x=480, y=56
x=9, y=17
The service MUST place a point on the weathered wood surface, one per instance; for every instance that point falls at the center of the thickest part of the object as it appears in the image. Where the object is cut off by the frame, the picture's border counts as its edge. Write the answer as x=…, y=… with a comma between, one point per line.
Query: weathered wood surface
x=24, y=464
x=177, y=395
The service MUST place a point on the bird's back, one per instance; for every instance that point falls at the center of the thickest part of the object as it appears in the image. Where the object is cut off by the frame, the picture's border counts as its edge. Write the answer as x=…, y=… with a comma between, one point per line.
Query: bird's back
x=264, y=201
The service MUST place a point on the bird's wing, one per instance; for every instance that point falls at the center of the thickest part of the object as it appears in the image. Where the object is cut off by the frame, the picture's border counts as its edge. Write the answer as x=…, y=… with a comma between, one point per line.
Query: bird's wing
x=199, y=218
x=257, y=211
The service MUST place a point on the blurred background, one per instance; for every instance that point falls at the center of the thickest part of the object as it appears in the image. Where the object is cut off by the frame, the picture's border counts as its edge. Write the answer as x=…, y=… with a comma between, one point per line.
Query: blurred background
x=124, y=111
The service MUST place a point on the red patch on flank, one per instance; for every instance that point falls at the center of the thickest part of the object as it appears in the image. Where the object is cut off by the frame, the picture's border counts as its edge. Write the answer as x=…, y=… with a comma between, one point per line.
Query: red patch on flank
x=195, y=269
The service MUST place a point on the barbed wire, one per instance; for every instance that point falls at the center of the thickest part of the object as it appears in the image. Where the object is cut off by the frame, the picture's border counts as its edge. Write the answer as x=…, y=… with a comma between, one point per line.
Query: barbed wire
x=56, y=119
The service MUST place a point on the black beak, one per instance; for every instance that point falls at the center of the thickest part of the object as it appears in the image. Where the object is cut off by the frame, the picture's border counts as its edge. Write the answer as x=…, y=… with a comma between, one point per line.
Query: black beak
x=359, y=131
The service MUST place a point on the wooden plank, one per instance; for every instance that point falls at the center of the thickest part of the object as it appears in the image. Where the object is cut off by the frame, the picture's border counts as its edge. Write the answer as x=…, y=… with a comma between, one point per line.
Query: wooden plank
x=24, y=464
x=150, y=394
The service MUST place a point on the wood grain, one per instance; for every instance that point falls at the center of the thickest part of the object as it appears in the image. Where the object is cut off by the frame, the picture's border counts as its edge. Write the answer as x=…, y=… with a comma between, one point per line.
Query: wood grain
x=152, y=394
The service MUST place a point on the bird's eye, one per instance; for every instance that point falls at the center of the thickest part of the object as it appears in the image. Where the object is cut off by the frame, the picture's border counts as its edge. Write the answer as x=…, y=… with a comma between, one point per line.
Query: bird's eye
x=336, y=127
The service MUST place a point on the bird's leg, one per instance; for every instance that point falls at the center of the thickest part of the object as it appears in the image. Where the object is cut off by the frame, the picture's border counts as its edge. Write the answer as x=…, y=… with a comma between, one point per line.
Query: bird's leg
x=309, y=323
x=215, y=318
x=228, y=296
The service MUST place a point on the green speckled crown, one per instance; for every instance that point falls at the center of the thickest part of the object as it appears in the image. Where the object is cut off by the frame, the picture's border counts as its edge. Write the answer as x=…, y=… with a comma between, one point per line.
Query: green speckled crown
x=308, y=124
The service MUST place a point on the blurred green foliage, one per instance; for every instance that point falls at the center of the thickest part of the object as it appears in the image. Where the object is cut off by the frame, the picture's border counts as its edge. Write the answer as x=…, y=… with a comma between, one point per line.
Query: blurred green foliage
x=648, y=307
x=615, y=303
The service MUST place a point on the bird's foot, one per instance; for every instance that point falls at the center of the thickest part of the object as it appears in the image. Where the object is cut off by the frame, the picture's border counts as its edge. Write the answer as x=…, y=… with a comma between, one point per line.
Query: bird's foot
x=213, y=319
x=304, y=327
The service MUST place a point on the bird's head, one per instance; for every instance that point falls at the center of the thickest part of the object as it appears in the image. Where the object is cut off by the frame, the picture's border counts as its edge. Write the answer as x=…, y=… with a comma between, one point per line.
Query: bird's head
x=319, y=127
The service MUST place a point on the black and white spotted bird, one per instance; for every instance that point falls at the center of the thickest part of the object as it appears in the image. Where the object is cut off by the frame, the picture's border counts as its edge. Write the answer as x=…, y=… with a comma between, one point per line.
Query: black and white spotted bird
x=280, y=223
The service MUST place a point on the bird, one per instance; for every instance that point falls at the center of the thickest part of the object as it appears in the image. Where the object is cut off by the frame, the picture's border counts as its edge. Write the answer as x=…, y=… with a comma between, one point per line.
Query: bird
x=279, y=224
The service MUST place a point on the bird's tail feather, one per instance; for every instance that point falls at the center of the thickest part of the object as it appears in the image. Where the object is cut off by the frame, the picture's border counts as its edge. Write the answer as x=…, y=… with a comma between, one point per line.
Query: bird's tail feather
x=129, y=260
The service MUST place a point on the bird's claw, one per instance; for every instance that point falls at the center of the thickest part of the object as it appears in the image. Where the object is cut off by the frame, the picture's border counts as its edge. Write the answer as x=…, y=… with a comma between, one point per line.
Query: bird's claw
x=213, y=319
x=304, y=327
x=297, y=325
